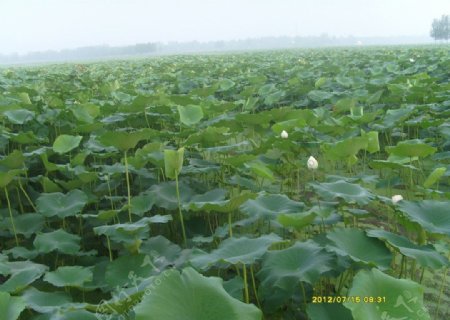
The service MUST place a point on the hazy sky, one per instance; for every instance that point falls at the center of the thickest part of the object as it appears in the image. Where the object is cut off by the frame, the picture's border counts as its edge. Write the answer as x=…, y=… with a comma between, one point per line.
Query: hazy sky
x=31, y=25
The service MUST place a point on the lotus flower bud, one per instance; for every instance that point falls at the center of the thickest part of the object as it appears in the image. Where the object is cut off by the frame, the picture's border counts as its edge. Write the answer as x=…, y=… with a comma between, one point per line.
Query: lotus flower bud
x=396, y=198
x=284, y=134
x=411, y=60
x=312, y=163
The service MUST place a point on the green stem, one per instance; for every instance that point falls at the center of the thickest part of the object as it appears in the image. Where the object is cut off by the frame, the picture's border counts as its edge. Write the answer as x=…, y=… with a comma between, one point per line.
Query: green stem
x=254, y=286
x=146, y=118
x=230, y=228
x=20, y=201
x=421, y=275
x=127, y=175
x=304, y=293
x=246, y=295
x=402, y=266
x=179, y=210
x=11, y=216
x=109, y=248
x=413, y=269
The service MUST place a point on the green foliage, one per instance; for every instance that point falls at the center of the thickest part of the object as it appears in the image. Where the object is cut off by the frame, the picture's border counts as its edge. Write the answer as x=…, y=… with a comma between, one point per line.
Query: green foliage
x=11, y=307
x=119, y=178
x=399, y=298
x=173, y=299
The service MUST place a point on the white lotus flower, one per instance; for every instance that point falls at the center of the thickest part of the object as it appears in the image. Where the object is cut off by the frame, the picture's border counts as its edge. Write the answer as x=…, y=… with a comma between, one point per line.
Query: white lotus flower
x=396, y=198
x=411, y=60
x=312, y=163
x=284, y=134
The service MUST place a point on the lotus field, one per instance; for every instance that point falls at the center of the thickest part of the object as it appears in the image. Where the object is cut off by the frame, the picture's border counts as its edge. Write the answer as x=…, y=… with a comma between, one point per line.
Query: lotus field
x=310, y=184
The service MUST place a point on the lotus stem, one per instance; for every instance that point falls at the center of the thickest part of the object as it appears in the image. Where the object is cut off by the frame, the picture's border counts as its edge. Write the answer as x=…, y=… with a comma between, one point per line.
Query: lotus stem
x=11, y=216
x=304, y=293
x=127, y=175
x=109, y=248
x=179, y=210
x=246, y=295
x=402, y=262
x=413, y=269
x=421, y=275
x=230, y=228
x=20, y=201
x=254, y=285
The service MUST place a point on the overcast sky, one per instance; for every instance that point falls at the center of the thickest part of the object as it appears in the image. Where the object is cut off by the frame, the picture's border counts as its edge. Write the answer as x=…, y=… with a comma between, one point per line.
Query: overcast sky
x=31, y=25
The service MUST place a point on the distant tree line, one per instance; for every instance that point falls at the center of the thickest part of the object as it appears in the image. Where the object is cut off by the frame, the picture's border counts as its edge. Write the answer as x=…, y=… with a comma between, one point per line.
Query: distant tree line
x=148, y=49
x=440, y=28
x=82, y=53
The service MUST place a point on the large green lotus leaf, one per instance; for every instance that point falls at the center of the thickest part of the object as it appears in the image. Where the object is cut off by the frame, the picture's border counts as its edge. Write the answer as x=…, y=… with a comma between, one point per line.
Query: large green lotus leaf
x=344, y=81
x=345, y=104
x=27, y=137
x=341, y=189
x=373, y=145
x=319, y=95
x=85, y=112
x=21, y=252
x=61, y=205
x=22, y=273
x=296, y=220
x=118, y=271
x=45, y=302
x=49, y=166
x=27, y=224
x=173, y=162
x=65, y=143
x=8, y=176
x=274, y=97
x=304, y=261
x=49, y=186
x=124, y=140
x=411, y=148
x=432, y=215
x=375, y=97
x=58, y=240
x=382, y=164
x=328, y=311
x=125, y=232
x=225, y=84
x=359, y=247
x=197, y=166
x=426, y=256
x=10, y=307
x=191, y=296
x=215, y=196
x=345, y=148
x=434, y=176
x=142, y=204
x=402, y=299
x=70, y=314
x=190, y=115
x=223, y=206
x=395, y=116
x=235, y=251
x=209, y=136
x=69, y=276
x=19, y=116
x=15, y=160
x=165, y=194
x=288, y=125
x=260, y=169
x=269, y=206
